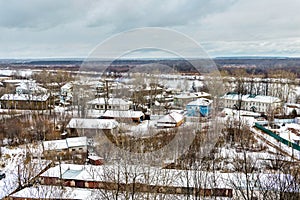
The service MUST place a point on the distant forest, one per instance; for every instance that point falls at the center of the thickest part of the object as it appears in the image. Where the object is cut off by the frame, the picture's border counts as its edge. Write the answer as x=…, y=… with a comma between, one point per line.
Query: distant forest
x=255, y=66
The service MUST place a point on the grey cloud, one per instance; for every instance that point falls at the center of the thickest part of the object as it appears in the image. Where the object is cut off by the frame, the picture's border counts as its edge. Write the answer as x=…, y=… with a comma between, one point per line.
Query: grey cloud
x=132, y=13
x=42, y=28
x=254, y=20
x=39, y=14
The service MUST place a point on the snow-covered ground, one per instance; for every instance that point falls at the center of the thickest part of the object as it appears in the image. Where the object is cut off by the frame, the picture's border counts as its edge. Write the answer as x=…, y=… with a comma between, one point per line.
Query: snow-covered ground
x=15, y=167
x=281, y=146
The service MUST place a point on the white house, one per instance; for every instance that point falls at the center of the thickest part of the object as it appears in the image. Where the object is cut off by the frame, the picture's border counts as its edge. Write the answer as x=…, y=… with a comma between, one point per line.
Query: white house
x=112, y=104
x=257, y=103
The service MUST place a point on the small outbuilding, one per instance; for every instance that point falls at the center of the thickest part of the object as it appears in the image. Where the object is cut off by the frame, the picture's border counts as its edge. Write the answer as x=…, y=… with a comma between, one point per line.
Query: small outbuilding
x=174, y=119
x=96, y=160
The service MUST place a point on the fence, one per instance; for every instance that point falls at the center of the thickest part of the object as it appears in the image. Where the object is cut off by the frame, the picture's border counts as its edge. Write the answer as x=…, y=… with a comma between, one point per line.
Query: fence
x=277, y=137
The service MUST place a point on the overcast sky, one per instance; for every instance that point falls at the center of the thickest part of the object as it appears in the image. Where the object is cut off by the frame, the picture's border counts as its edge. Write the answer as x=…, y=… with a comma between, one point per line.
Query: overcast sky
x=73, y=28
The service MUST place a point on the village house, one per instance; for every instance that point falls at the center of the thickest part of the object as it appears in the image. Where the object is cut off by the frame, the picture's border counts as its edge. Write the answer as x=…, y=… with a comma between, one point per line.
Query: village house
x=25, y=101
x=91, y=127
x=124, y=115
x=255, y=103
x=199, y=107
x=172, y=120
x=181, y=100
x=110, y=104
x=66, y=93
x=28, y=95
x=66, y=149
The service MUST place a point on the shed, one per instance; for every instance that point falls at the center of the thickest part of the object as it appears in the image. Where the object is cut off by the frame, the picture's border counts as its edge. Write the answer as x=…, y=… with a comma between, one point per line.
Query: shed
x=174, y=119
x=96, y=160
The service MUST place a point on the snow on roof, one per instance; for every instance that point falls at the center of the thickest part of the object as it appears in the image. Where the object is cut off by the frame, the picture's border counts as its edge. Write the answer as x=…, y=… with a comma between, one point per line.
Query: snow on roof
x=200, y=102
x=15, y=80
x=252, y=98
x=24, y=97
x=67, y=86
x=173, y=117
x=175, y=178
x=111, y=101
x=95, y=158
x=92, y=123
x=54, y=192
x=185, y=96
x=76, y=141
x=202, y=94
x=235, y=112
x=30, y=86
x=57, y=192
x=65, y=143
x=55, y=145
x=123, y=114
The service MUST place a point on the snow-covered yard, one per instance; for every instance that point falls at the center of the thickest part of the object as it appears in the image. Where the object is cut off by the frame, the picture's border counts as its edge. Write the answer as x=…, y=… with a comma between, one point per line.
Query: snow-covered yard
x=17, y=168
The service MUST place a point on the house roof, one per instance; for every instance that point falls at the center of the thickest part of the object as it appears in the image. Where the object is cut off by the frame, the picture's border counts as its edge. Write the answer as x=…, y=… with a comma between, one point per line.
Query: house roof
x=76, y=141
x=123, y=114
x=31, y=86
x=65, y=143
x=185, y=96
x=200, y=102
x=178, y=178
x=92, y=123
x=55, y=145
x=173, y=117
x=252, y=98
x=24, y=97
x=111, y=101
x=67, y=86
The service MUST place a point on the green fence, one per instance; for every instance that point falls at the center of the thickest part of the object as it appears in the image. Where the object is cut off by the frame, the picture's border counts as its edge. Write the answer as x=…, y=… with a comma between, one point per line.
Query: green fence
x=277, y=137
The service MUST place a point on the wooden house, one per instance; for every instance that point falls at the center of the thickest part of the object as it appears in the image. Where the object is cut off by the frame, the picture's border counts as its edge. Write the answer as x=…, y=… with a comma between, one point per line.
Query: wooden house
x=25, y=101
x=67, y=149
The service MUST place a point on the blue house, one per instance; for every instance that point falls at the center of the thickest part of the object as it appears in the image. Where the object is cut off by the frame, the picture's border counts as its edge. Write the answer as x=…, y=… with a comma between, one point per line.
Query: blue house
x=199, y=107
